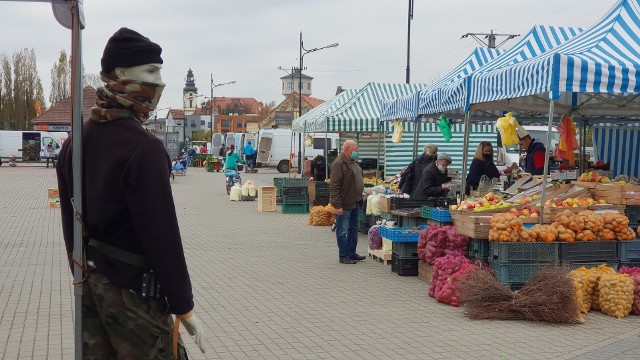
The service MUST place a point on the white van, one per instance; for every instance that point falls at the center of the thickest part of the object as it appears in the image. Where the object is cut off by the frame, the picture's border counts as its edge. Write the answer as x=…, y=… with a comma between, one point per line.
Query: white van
x=274, y=147
x=28, y=146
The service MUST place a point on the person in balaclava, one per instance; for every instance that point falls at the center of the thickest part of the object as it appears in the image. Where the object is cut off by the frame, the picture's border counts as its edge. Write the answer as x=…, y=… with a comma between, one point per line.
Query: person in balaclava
x=136, y=274
x=434, y=179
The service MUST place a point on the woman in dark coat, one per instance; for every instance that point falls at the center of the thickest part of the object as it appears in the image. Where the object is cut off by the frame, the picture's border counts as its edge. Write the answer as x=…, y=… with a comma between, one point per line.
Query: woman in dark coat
x=319, y=168
x=482, y=164
x=434, y=179
x=412, y=173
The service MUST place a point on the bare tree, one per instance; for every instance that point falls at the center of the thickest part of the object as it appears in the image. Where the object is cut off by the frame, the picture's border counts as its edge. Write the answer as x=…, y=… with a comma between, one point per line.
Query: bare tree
x=92, y=80
x=60, y=79
x=6, y=98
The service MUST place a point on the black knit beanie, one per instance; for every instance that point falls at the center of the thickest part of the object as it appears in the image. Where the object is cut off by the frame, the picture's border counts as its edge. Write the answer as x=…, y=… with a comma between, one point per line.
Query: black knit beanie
x=127, y=48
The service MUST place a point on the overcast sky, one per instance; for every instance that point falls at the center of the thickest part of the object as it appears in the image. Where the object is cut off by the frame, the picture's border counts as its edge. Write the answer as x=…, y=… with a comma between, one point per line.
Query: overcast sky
x=247, y=40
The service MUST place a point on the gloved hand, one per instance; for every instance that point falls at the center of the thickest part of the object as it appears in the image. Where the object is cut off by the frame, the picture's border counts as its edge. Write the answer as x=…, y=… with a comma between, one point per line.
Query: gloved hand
x=195, y=329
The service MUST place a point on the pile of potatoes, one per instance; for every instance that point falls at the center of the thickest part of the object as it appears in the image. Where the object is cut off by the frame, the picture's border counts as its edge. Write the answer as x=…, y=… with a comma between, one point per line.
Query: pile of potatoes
x=507, y=227
x=321, y=215
x=616, y=294
x=585, y=284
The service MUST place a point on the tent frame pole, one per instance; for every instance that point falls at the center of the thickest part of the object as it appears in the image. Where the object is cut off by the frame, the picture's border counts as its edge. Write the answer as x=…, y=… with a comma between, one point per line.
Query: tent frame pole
x=78, y=198
x=546, y=162
x=416, y=135
x=378, y=156
x=465, y=153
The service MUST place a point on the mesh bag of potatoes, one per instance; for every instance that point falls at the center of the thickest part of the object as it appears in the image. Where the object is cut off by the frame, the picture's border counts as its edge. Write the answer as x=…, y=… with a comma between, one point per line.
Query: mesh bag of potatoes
x=595, y=274
x=616, y=294
x=585, y=285
x=321, y=215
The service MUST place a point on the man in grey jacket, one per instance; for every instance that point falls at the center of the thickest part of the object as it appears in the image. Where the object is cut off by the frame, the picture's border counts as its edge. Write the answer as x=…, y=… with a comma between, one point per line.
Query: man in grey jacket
x=347, y=184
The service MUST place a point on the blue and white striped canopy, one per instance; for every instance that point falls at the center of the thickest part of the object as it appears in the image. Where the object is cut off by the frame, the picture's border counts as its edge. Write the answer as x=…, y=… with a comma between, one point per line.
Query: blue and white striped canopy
x=537, y=41
x=313, y=120
x=602, y=59
x=407, y=106
x=362, y=112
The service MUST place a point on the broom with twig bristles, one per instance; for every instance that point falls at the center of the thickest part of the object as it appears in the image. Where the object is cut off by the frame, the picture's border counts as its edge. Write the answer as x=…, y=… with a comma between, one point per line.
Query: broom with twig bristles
x=549, y=296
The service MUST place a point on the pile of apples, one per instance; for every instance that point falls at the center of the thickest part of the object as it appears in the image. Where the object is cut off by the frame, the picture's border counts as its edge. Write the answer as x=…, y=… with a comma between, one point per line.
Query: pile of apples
x=488, y=202
x=526, y=212
x=572, y=202
x=593, y=177
x=527, y=200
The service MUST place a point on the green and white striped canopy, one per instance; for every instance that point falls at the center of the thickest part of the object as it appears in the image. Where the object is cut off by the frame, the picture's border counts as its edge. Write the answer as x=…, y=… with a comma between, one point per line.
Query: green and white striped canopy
x=361, y=113
x=313, y=120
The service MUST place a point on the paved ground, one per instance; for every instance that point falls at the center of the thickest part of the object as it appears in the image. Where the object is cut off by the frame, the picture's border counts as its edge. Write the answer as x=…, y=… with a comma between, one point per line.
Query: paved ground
x=268, y=286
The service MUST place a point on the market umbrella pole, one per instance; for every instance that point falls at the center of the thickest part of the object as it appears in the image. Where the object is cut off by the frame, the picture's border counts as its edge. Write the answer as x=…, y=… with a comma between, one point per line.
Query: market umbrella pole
x=416, y=136
x=546, y=161
x=465, y=153
x=326, y=154
x=76, y=118
x=378, y=156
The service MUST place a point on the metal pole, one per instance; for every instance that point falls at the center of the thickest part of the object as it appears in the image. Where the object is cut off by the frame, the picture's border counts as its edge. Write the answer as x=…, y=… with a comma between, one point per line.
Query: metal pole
x=410, y=17
x=465, y=153
x=326, y=154
x=546, y=161
x=211, y=111
x=416, y=136
x=300, y=108
x=378, y=156
x=78, y=201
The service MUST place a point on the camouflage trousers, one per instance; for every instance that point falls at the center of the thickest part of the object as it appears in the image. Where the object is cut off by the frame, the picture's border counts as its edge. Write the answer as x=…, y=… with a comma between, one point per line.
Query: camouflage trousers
x=119, y=324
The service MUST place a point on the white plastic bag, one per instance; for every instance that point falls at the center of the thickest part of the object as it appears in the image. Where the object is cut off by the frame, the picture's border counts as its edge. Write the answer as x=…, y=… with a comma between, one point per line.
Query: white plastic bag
x=236, y=193
x=245, y=190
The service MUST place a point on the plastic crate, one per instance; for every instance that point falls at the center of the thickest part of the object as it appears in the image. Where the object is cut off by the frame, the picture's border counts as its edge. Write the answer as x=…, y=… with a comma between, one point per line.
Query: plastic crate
x=405, y=249
x=404, y=266
x=277, y=182
x=633, y=213
x=478, y=249
x=441, y=215
x=404, y=203
x=426, y=211
x=629, y=264
x=589, y=264
x=295, y=182
x=294, y=191
x=440, y=202
x=521, y=252
x=295, y=199
x=408, y=221
x=320, y=202
x=629, y=251
x=295, y=209
x=396, y=235
x=515, y=273
x=586, y=251
x=322, y=189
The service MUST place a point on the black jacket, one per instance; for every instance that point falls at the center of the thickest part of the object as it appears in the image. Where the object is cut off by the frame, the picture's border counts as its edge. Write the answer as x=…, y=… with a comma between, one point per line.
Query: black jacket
x=318, y=172
x=479, y=168
x=430, y=184
x=411, y=175
x=128, y=205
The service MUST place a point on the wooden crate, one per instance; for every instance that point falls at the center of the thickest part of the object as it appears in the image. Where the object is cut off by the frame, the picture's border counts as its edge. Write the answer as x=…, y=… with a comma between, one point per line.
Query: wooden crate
x=588, y=185
x=473, y=226
x=385, y=204
x=267, y=198
x=381, y=255
x=424, y=271
x=618, y=208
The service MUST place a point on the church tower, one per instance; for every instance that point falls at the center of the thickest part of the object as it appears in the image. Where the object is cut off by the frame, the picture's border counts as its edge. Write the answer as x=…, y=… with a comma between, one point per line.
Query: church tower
x=189, y=94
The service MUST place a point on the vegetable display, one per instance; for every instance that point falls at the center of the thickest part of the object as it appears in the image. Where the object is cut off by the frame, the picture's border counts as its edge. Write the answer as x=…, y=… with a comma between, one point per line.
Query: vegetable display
x=443, y=268
x=375, y=240
x=585, y=284
x=507, y=227
x=616, y=294
x=321, y=215
x=437, y=241
x=597, y=273
x=449, y=292
x=634, y=274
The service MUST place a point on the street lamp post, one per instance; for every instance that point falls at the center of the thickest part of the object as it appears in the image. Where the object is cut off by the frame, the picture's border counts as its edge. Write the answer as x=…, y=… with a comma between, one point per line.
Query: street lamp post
x=212, y=117
x=302, y=54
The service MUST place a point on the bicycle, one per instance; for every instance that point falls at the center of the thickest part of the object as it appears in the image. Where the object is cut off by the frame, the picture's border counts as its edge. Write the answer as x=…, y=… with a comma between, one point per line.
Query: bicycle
x=232, y=177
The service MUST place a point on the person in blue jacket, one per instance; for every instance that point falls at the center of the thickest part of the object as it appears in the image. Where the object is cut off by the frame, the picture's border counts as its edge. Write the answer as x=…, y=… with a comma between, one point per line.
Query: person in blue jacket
x=482, y=164
x=536, y=153
x=249, y=156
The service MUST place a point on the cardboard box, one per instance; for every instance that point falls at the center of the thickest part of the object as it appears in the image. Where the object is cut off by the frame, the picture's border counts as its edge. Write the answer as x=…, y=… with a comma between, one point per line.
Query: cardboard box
x=54, y=197
x=385, y=204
